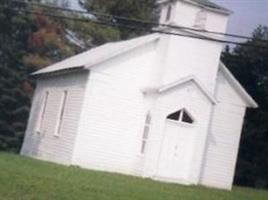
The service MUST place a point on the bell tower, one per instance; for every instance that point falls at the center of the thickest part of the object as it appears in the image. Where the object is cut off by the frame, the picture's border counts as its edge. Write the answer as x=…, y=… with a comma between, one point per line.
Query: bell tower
x=182, y=56
x=199, y=14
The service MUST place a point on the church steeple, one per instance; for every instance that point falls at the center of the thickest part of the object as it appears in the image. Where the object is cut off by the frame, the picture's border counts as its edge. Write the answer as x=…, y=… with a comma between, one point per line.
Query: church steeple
x=199, y=14
x=180, y=56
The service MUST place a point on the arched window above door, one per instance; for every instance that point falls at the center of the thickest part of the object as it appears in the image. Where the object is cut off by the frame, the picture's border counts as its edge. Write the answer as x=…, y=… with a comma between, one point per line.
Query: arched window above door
x=181, y=116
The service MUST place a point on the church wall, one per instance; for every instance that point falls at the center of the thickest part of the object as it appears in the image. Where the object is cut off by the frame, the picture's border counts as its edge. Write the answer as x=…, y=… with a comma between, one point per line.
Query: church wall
x=224, y=137
x=45, y=143
x=113, y=118
x=186, y=96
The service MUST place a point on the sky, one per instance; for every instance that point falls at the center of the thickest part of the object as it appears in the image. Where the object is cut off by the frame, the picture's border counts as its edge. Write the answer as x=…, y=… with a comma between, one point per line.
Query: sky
x=247, y=14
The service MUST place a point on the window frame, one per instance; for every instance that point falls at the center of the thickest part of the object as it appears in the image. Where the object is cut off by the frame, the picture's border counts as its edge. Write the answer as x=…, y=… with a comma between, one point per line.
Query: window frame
x=180, y=118
x=145, y=133
x=42, y=112
x=169, y=13
x=61, y=113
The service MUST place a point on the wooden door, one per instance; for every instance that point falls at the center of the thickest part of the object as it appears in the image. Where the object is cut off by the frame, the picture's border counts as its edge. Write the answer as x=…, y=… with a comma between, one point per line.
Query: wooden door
x=176, y=151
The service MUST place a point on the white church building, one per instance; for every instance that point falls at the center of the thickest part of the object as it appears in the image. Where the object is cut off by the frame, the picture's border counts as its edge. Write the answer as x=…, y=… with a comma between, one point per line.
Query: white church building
x=158, y=106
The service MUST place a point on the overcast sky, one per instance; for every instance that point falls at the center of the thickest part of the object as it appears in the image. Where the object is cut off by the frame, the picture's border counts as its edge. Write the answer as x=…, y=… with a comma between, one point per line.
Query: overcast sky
x=248, y=14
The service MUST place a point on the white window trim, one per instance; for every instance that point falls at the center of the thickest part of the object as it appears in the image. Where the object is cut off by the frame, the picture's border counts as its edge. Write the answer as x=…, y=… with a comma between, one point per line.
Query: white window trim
x=61, y=113
x=42, y=113
x=181, y=115
x=145, y=136
x=181, y=123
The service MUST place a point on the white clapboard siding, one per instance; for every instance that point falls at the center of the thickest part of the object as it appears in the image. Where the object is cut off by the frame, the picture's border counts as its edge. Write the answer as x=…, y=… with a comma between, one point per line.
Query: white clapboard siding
x=111, y=126
x=224, y=136
x=187, y=56
x=46, y=145
x=119, y=83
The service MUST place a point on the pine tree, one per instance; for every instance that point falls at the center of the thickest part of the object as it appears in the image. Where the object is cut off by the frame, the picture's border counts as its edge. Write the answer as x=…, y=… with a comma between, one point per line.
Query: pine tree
x=28, y=42
x=95, y=34
x=32, y=41
x=14, y=102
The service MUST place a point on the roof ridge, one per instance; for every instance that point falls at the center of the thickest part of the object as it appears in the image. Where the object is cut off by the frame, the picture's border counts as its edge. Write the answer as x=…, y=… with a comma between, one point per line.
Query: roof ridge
x=206, y=3
x=98, y=54
x=238, y=87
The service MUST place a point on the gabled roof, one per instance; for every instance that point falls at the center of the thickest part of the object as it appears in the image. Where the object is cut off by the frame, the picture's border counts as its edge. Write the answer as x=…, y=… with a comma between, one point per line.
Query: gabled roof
x=204, y=3
x=238, y=87
x=182, y=81
x=97, y=55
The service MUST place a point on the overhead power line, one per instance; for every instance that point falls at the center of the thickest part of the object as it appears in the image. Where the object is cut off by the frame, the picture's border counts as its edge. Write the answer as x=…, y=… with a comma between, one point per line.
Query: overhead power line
x=139, y=21
x=131, y=27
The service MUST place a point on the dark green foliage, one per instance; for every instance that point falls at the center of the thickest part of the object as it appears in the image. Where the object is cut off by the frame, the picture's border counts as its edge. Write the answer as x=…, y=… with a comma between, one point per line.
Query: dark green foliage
x=28, y=42
x=14, y=102
x=32, y=41
x=250, y=66
x=135, y=9
x=93, y=34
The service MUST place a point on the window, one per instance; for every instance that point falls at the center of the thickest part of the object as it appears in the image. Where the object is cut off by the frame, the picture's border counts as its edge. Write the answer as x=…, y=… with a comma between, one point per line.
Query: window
x=62, y=110
x=42, y=112
x=145, y=133
x=181, y=116
x=169, y=12
x=201, y=19
x=175, y=115
x=186, y=118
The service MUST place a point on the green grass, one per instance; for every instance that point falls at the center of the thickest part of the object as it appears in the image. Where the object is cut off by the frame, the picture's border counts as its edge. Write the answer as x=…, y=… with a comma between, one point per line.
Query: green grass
x=26, y=179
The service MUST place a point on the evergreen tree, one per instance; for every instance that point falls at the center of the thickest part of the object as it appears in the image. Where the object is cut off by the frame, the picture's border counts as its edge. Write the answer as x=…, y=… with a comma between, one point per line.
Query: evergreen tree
x=32, y=41
x=250, y=65
x=14, y=102
x=136, y=9
x=28, y=42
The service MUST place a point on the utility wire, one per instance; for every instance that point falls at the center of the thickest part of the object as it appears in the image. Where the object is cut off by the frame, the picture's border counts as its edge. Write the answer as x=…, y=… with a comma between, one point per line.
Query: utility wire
x=114, y=24
x=139, y=21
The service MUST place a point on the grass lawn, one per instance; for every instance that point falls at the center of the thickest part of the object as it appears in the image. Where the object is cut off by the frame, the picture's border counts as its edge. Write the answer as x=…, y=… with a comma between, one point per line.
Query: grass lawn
x=23, y=178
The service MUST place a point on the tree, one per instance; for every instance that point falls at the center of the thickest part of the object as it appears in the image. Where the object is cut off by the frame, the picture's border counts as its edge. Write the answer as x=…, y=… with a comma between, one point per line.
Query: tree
x=28, y=42
x=32, y=41
x=250, y=65
x=136, y=9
